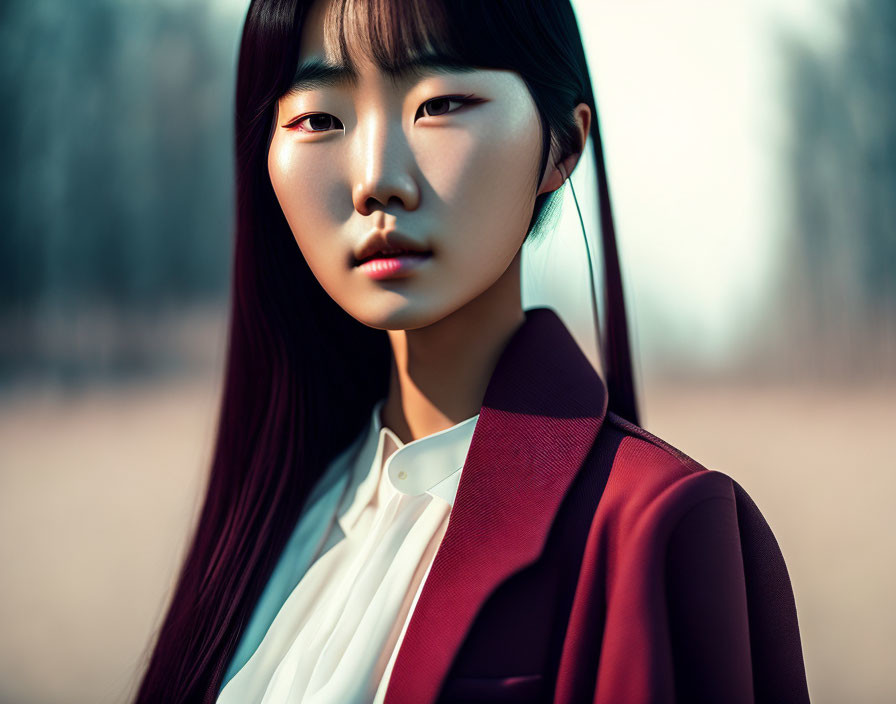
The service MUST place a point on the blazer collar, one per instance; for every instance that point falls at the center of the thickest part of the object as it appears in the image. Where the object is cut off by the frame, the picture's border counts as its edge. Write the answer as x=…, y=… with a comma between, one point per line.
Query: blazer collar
x=541, y=413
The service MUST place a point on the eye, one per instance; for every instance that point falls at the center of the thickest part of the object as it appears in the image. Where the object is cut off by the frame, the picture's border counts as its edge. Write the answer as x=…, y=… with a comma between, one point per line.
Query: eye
x=316, y=122
x=442, y=105
x=324, y=122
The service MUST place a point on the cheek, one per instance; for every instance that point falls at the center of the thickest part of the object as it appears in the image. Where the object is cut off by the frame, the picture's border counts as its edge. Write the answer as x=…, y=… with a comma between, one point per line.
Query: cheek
x=301, y=188
x=485, y=177
x=305, y=184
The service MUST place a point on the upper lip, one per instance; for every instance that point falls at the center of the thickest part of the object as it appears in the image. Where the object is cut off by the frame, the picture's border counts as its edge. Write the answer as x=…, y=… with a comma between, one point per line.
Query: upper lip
x=385, y=242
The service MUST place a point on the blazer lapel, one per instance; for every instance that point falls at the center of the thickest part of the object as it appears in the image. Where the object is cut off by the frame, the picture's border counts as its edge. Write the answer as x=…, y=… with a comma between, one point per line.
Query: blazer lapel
x=541, y=413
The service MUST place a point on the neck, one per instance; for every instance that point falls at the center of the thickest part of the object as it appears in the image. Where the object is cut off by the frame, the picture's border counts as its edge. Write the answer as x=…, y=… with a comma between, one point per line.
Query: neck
x=440, y=372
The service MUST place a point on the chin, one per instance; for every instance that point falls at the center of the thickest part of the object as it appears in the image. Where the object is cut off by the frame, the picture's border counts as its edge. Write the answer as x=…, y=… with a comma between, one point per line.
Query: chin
x=406, y=316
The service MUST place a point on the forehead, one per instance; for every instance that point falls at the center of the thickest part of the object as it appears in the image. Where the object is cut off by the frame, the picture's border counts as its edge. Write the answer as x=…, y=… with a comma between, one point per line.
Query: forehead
x=342, y=40
x=387, y=33
x=313, y=41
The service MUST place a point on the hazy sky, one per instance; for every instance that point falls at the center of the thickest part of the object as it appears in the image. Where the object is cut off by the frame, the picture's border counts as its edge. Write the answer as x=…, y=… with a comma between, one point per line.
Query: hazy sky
x=694, y=122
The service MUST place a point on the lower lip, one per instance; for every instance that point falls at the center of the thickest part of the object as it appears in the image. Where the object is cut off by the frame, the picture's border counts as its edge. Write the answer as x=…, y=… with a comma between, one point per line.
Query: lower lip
x=391, y=267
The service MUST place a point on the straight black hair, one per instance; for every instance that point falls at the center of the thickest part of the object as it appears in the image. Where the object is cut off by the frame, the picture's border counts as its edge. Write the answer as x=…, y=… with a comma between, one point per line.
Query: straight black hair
x=302, y=375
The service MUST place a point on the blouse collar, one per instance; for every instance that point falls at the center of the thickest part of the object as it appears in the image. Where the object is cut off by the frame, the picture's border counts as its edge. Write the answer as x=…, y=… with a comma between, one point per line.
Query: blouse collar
x=427, y=465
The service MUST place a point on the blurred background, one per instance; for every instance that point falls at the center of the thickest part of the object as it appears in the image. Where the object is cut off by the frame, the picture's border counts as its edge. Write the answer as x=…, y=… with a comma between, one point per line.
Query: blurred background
x=751, y=150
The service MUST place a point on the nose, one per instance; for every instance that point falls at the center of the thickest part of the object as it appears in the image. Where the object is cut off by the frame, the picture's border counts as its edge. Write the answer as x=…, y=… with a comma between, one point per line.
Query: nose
x=385, y=168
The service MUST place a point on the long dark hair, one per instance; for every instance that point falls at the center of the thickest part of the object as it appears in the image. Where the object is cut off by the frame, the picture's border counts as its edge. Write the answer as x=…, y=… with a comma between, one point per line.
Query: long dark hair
x=301, y=374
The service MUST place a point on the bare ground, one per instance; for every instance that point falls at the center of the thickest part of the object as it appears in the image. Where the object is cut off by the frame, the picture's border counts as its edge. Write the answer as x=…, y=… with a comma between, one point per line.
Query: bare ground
x=98, y=492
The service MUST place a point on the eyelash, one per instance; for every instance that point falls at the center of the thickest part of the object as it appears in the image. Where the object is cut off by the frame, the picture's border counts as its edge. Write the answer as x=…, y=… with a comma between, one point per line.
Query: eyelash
x=462, y=99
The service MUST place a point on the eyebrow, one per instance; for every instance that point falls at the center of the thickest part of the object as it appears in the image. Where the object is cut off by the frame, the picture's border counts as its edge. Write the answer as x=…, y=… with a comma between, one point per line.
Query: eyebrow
x=315, y=73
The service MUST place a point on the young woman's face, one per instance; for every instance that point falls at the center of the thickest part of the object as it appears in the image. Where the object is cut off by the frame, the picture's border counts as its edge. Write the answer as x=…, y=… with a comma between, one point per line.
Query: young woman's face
x=449, y=160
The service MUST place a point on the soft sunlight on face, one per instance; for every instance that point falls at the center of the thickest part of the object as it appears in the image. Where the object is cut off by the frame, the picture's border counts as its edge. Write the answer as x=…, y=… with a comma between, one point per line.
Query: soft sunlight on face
x=456, y=175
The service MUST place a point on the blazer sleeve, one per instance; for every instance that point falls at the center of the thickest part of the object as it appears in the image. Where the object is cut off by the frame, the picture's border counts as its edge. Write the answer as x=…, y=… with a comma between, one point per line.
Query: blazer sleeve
x=702, y=609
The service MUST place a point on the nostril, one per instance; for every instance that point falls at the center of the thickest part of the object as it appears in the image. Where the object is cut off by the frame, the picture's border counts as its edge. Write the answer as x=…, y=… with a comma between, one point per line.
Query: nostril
x=373, y=203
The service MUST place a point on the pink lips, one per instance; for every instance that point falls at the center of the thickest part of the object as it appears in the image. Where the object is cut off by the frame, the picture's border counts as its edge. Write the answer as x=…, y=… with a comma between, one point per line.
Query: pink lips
x=387, y=267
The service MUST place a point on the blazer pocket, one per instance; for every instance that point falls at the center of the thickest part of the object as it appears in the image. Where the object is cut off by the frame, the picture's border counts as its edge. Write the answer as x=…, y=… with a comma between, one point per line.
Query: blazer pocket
x=521, y=689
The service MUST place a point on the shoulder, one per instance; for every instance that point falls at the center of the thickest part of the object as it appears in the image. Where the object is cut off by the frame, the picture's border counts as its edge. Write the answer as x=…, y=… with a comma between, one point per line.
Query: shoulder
x=659, y=503
x=691, y=577
x=650, y=483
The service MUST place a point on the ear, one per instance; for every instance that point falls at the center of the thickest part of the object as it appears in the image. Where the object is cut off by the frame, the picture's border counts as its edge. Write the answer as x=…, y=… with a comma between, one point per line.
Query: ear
x=556, y=174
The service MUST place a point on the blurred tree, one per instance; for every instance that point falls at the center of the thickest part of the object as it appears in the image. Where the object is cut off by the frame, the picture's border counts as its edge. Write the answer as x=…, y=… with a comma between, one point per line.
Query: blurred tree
x=841, y=288
x=116, y=135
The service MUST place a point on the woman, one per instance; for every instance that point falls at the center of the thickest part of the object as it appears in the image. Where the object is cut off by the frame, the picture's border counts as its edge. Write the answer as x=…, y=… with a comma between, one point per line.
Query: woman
x=382, y=377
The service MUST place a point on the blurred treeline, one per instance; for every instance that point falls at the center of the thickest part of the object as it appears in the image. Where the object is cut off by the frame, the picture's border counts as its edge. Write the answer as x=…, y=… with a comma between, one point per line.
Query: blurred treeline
x=116, y=190
x=838, y=304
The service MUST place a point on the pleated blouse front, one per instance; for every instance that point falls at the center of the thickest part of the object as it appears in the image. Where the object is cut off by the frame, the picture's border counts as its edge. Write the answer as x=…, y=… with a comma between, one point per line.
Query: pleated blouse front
x=330, y=622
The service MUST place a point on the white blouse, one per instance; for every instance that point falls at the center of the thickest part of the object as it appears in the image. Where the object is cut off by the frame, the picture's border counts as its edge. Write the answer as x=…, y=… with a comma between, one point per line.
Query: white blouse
x=376, y=517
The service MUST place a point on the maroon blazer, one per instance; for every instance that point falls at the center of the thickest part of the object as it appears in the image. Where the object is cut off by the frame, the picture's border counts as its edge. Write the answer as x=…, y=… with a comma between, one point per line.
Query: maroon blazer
x=586, y=560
